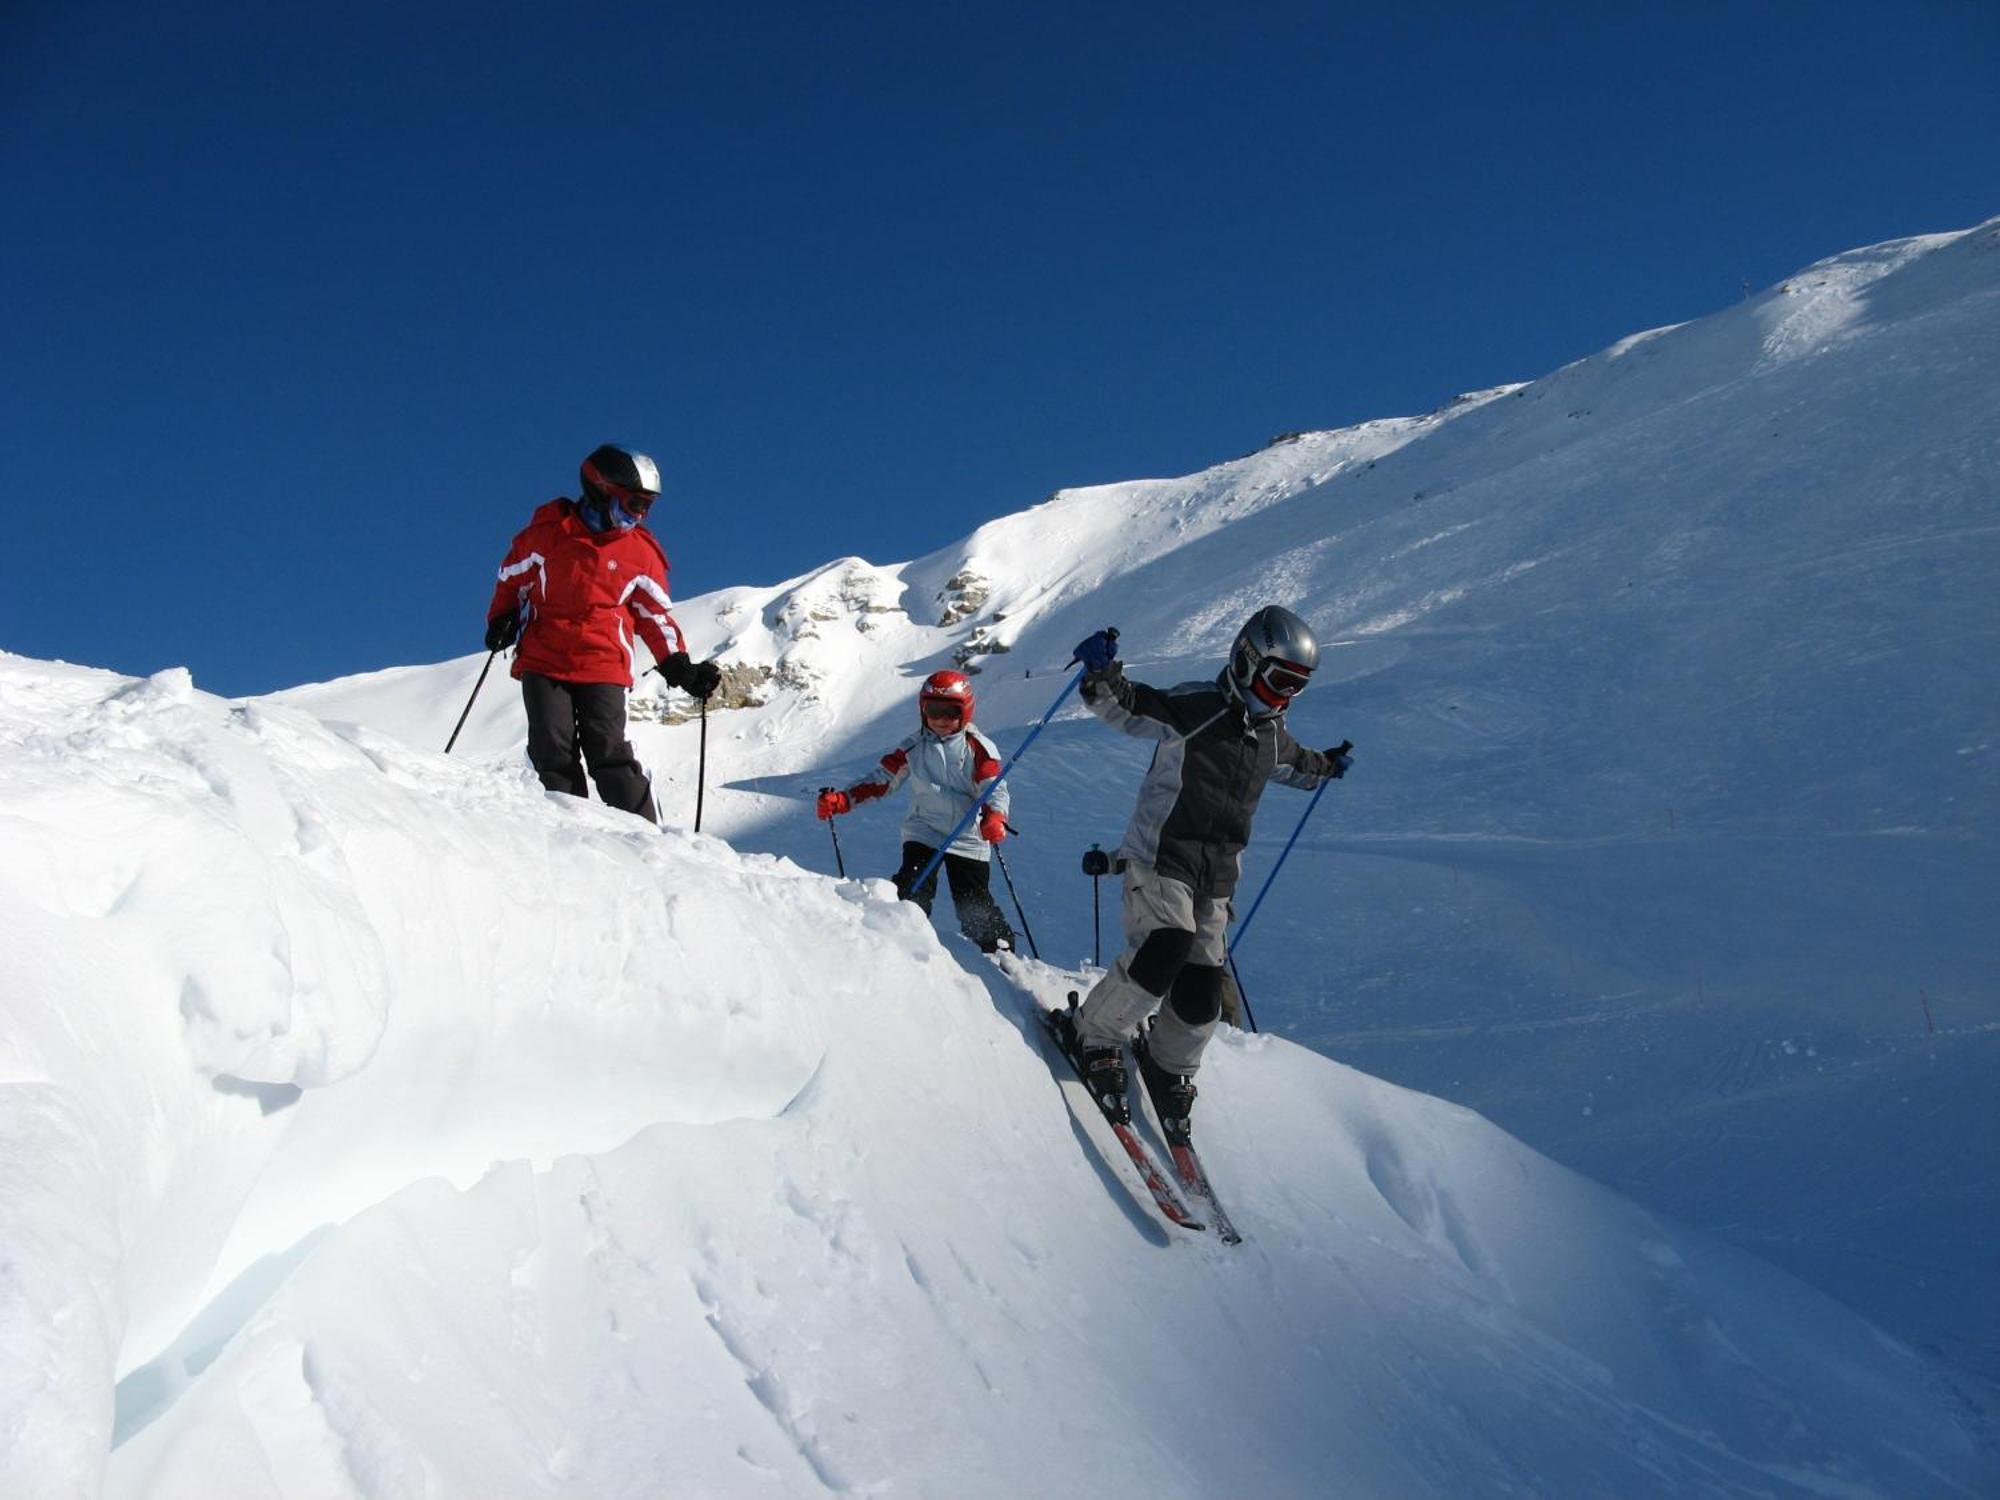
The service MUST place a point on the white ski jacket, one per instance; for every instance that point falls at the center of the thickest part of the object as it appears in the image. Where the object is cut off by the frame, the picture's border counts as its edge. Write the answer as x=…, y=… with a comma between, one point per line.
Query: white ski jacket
x=945, y=773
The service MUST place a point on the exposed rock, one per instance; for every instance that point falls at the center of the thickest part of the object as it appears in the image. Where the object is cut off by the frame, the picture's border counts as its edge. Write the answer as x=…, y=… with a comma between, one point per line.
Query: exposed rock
x=984, y=641
x=744, y=685
x=965, y=594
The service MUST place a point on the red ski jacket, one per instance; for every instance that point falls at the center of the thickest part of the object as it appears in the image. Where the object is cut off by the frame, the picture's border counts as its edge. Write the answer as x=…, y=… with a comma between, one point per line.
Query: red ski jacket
x=581, y=594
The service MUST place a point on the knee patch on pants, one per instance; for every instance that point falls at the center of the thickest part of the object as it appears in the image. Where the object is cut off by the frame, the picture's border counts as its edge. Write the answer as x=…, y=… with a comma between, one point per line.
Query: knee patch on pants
x=1197, y=997
x=1160, y=958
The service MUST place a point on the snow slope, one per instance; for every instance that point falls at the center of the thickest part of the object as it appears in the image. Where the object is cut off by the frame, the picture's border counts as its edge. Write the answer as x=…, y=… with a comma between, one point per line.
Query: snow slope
x=1671, y=842
x=386, y=1127
x=376, y=1125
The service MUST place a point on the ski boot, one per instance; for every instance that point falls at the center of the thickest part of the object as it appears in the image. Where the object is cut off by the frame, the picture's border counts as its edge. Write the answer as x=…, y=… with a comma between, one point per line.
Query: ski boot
x=1173, y=1094
x=1102, y=1069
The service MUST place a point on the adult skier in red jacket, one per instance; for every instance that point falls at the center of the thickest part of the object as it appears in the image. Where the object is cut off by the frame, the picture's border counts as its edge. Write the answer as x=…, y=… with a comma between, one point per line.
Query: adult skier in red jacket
x=578, y=583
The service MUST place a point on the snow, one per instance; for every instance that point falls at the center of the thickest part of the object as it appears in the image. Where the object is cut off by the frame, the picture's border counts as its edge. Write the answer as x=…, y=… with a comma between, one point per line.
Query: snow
x=379, y=1125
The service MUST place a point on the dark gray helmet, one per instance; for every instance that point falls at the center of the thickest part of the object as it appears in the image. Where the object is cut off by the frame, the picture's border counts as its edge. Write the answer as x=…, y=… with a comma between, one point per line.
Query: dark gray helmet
x=1272, y=660
x=614, y=474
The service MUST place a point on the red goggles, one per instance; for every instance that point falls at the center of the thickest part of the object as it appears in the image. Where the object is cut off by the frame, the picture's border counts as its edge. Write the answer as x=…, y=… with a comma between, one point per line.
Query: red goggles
x=1283, y=678
x=635, y=502
x=943, y=708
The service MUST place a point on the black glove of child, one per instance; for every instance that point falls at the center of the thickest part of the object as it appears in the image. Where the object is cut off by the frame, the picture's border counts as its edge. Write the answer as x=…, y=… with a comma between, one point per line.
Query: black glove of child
x=503, y=630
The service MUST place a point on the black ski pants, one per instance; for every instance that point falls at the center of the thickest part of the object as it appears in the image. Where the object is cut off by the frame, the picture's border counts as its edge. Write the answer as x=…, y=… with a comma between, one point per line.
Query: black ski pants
x=573, y=724
x=979, y=916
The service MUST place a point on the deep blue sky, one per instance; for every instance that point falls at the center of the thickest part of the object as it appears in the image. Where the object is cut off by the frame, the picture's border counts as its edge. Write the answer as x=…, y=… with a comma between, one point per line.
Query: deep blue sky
x=307, y=307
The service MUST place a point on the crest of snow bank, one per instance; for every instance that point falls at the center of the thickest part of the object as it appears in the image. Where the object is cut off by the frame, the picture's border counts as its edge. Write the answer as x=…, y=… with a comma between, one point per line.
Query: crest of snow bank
x=1027, y=566
x=260, y=973
x=1828, y=300
x=791, y=1202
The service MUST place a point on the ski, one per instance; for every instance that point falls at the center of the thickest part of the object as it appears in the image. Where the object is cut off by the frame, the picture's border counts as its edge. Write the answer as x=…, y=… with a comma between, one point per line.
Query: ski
x=1156, y=1181
x=1189, y=1169
x=1180, y=1146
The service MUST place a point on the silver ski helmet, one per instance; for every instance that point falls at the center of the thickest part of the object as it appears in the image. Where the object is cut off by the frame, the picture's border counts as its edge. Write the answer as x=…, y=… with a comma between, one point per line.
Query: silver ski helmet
x=616, y=475
x=1272, y=660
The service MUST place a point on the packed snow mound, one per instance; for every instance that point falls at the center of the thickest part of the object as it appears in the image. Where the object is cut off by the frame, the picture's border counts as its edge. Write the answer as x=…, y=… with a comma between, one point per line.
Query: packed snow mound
x=379, y=1125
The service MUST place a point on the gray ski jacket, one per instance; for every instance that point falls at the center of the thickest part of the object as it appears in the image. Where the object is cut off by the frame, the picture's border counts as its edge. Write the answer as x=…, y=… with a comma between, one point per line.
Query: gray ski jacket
x=1208, y=773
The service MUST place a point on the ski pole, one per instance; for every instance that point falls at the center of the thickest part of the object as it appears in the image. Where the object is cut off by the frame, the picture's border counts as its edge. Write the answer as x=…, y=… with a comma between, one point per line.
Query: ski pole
x=469, y=701
x=1244, y=926
x=1242, y=994
x=1001, y=860
x=701, y=767
x=978, y=802
x=838, y=863
x=1096, y=863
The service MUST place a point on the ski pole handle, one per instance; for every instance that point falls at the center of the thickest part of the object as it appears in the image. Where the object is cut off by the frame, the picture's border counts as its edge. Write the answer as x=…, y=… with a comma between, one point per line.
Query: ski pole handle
x=1110, y=634
x=838, y=863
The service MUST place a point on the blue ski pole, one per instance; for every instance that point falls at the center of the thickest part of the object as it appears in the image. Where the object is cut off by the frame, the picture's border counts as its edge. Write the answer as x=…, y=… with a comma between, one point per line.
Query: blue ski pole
x=978, y=802
x=1244, y=926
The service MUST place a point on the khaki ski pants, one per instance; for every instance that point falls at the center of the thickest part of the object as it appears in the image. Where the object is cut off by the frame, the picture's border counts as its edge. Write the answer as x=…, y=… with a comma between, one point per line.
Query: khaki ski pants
x=1117, y=1003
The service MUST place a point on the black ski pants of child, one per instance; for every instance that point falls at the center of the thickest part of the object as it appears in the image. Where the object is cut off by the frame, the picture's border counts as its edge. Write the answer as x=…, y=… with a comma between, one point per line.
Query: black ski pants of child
x=571, y=724
x=979, y=916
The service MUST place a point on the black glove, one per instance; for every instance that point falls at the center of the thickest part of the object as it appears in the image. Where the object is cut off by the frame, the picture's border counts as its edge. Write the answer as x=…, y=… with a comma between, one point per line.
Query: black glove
x=700, y=678
x=1340, y=758
x=503, y=630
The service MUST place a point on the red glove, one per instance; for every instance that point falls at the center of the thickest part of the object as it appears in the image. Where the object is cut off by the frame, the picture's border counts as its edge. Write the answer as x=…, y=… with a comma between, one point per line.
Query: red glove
x=833, y=803
x=992, y=825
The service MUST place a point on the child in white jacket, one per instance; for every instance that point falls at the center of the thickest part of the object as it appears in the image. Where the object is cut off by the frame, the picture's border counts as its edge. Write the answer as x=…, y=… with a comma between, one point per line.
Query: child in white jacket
x=947, y=763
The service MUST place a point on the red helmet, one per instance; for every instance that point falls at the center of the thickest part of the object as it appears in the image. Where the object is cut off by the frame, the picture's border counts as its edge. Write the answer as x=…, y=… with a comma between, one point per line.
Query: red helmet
x=948, y=694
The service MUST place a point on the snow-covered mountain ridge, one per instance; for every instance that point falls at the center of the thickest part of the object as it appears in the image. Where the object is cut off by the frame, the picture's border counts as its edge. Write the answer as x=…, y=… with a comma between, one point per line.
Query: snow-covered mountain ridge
x=1670, y=831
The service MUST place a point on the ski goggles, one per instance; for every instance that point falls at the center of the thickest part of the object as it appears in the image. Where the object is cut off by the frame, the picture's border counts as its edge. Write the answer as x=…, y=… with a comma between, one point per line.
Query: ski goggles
x=939, y=708
x=1282, y=678
x=633, y=502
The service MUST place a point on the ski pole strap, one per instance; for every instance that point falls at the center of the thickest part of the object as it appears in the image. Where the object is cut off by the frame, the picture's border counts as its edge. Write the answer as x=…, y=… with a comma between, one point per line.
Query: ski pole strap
x=978, y=802
x=1244, y=925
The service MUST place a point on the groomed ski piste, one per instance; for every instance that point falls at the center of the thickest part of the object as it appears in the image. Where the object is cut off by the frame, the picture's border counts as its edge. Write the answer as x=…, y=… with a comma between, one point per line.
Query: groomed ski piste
x=373, y=1124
